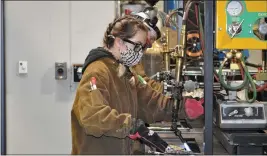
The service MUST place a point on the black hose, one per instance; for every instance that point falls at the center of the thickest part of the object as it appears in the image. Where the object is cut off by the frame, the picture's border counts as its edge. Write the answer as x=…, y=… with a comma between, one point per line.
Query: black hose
x=253, y=65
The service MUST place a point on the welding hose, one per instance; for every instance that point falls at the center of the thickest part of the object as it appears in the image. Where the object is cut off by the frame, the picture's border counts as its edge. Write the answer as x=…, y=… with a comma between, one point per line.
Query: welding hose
x=229, y=87
x=168, y=18
x=216, y=76
x=258, y=88
x=262, y=88
x=199, y=35
x=163, y=16
x=184, y=15
x=184, y=22
x=251, y=82
x=199, y=24
x=201, y=30
x=247, y=80
x=177, y=11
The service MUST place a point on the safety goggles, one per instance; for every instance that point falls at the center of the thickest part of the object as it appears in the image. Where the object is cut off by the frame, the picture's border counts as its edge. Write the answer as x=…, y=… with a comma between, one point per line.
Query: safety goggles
x=137, y=46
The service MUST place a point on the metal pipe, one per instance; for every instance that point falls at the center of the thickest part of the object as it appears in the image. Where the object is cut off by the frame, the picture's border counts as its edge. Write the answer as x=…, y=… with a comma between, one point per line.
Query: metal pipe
x=179, y=60
x=178, y=69
x=165, y=129
x=179, y=19
x=208, y=77
x=117, y=8
x=166, y=61
x=264, y=59
x=166, y=54
x=253, y=65
x=3, y=83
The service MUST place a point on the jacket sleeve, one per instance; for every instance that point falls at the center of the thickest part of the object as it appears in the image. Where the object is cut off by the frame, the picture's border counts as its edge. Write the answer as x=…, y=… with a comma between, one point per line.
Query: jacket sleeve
x=153, y=105
x=157, y=86
x=93, y=110
x=139, y=70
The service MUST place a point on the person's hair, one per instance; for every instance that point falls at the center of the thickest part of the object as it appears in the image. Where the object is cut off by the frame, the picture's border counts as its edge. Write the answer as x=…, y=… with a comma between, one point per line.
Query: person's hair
x=124, y=27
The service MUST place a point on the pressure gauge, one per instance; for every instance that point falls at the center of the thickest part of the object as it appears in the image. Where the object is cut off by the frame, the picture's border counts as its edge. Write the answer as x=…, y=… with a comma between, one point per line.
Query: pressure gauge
x=234, y=8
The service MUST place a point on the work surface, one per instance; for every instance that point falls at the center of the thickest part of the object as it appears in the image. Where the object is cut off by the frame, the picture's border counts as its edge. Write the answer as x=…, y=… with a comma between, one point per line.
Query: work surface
x=196, y=133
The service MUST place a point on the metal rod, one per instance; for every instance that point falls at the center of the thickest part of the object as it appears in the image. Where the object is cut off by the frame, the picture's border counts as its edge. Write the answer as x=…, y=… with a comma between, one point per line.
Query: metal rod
x=166, y=54
x=253, y=65
x=178, y=69
x=264, y=59
x=179, y=19
x=166, y=57
x=208, y=77
x=117, y=8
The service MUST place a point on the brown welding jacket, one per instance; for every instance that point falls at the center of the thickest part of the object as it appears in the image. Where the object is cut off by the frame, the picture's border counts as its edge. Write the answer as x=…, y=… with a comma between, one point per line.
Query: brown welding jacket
x=139, y=69
x=101, y=119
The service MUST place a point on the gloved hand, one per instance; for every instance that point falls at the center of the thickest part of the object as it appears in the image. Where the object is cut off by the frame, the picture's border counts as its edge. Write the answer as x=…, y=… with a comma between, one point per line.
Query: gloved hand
x=194, y=108
x=148, y=137
x=138, y=69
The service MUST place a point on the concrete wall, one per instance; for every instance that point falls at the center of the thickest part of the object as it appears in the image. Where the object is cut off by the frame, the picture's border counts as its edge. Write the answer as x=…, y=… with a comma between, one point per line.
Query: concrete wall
x=43, y=32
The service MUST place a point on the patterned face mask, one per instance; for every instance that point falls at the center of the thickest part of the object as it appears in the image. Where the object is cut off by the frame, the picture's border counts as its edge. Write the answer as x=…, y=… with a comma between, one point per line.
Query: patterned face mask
x=130, y=58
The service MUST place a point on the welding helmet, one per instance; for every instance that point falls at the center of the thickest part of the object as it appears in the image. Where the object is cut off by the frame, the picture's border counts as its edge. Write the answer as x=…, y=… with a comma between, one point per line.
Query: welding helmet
x=149, y=17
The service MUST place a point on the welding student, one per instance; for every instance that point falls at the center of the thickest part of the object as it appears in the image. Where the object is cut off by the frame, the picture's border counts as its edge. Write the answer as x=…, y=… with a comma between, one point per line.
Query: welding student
x=110, y=98
x=149, y=17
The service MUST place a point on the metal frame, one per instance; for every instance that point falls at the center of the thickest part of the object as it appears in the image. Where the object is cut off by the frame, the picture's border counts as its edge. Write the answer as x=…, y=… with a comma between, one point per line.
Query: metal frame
x=3, y=84
x=208, y=77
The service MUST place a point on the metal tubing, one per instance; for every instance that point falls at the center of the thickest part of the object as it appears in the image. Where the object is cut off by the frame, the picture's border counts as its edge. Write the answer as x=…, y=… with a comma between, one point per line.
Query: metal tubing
x=178, y=69
x=166, y=54
x=117, y=8
x=208, y=77
x=179, y=61
x=3, y=84
x=166, y=61
x=179, y=19
x=264, y=59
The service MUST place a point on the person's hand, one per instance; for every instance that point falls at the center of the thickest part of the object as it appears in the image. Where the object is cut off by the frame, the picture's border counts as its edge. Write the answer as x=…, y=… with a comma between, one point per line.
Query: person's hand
x=139, y=70
x=148, y=137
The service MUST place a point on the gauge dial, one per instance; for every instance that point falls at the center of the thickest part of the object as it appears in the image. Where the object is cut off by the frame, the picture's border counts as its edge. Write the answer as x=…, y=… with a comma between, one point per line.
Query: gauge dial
x=234, y=8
